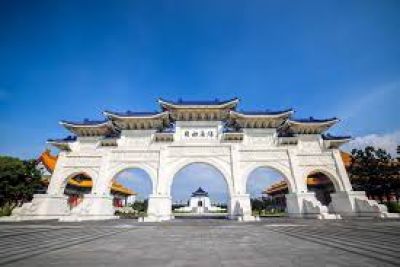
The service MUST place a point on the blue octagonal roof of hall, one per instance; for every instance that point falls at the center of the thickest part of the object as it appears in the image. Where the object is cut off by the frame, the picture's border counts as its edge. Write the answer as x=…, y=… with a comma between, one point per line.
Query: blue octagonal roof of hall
x=199, y=192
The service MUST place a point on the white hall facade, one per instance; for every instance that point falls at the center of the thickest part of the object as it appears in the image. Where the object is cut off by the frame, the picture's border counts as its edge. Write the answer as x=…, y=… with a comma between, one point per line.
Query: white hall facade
x=211, y=132
x=199, y=203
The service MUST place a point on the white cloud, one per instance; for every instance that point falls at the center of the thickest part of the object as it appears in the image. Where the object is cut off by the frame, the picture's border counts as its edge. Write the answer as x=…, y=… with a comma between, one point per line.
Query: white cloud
x=388, y=141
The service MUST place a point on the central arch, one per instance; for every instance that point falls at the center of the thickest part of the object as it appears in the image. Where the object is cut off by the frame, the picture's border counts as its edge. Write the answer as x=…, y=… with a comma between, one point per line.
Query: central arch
x=215, y=166
x=223, y=169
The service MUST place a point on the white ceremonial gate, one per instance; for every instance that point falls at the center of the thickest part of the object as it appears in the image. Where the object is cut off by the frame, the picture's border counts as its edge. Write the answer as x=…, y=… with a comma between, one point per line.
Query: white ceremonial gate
x=210, y=132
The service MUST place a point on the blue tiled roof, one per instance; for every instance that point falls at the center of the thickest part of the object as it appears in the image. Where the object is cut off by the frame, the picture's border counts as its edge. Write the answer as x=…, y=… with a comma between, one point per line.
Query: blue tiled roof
x=69, y=138
x=112, y=135
x=85, y=122
x=167, y=130
x=312, y=120
x=332, y=137
x=265, y=112
x=199, y=192
x=232, y=130
x=285, y=134
x=134, y=113
x=199, y=102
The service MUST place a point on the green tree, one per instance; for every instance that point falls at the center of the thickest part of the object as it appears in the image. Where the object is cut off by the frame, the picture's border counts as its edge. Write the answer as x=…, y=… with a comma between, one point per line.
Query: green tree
x=140, y=206
x=257, y=205
x=375, y=172
x=19, y=179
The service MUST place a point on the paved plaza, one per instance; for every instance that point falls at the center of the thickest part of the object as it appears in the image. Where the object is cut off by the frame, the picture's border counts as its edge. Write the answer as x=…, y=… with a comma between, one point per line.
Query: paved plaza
x=202, y=242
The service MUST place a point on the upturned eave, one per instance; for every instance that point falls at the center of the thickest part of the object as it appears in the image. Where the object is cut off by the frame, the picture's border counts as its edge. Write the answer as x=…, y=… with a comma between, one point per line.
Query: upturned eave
x=89, y=128
x=166, y=105
x=308, y=126
x=336, y=142
x=262, y=115
x=60, y=144
x=138, y=115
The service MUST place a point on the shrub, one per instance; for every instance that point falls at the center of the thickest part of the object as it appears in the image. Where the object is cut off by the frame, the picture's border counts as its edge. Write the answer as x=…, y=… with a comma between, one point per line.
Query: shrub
x=393, y=207
x=5, y=210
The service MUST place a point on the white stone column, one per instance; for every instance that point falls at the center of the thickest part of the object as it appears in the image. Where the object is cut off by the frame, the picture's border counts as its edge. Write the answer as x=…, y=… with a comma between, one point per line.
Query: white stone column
x=306, y=205
x=42, y=207
x=356, y=203
x=300, y=185
x=341, y=170
x=294, y=201
x=93, y=207
x=239, y=207
x=57, y=179
x=159, y=208
x=160, y=202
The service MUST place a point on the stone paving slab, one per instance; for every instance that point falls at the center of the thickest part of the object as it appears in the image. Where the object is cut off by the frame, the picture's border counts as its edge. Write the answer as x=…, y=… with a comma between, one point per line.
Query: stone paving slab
x=272, y=242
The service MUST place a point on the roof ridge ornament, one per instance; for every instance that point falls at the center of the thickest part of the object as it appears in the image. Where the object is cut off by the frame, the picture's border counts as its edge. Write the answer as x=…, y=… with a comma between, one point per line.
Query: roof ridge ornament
x=198, y=103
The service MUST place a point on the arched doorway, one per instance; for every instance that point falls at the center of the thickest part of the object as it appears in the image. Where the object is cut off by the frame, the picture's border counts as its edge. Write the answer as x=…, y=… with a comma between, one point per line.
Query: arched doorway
x=130, y=189
x=76, y=187
x=322, y=186
x=201, y=190
x=267, y=188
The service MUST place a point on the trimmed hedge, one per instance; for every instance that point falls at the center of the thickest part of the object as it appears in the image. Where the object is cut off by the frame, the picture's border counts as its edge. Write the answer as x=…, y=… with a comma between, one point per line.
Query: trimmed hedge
x=393, y=207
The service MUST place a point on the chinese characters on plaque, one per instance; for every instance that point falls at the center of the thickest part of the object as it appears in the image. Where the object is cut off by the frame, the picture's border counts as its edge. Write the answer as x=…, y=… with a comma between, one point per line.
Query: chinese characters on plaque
x=200, y=133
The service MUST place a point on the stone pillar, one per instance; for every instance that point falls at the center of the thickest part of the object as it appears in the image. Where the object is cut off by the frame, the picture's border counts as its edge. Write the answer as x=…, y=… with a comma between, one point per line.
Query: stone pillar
x=306, y=205
x=344, y=178
x=58, y=178
x=239, y=208
x=93, y=207
x=356, y=203
x=300, y=184
x=160, y=201
x=159, y=208
x=42, y=207
x=344, y=202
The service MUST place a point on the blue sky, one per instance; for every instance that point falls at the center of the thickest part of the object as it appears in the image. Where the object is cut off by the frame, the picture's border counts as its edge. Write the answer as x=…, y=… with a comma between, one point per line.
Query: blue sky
x=73, y=59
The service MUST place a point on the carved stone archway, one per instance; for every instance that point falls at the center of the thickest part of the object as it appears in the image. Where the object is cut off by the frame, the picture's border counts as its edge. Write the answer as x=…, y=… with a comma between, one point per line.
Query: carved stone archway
x=211, y=132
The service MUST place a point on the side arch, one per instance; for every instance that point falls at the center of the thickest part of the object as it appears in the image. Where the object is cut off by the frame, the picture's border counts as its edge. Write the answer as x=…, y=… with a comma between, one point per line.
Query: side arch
x=285, y=172
x=106, y=183
x=337, y=183
x=221, y=167
x=60, y=179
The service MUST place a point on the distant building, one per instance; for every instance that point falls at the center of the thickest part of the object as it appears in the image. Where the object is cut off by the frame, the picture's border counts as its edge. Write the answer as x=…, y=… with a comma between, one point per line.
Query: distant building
x=199, y=203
